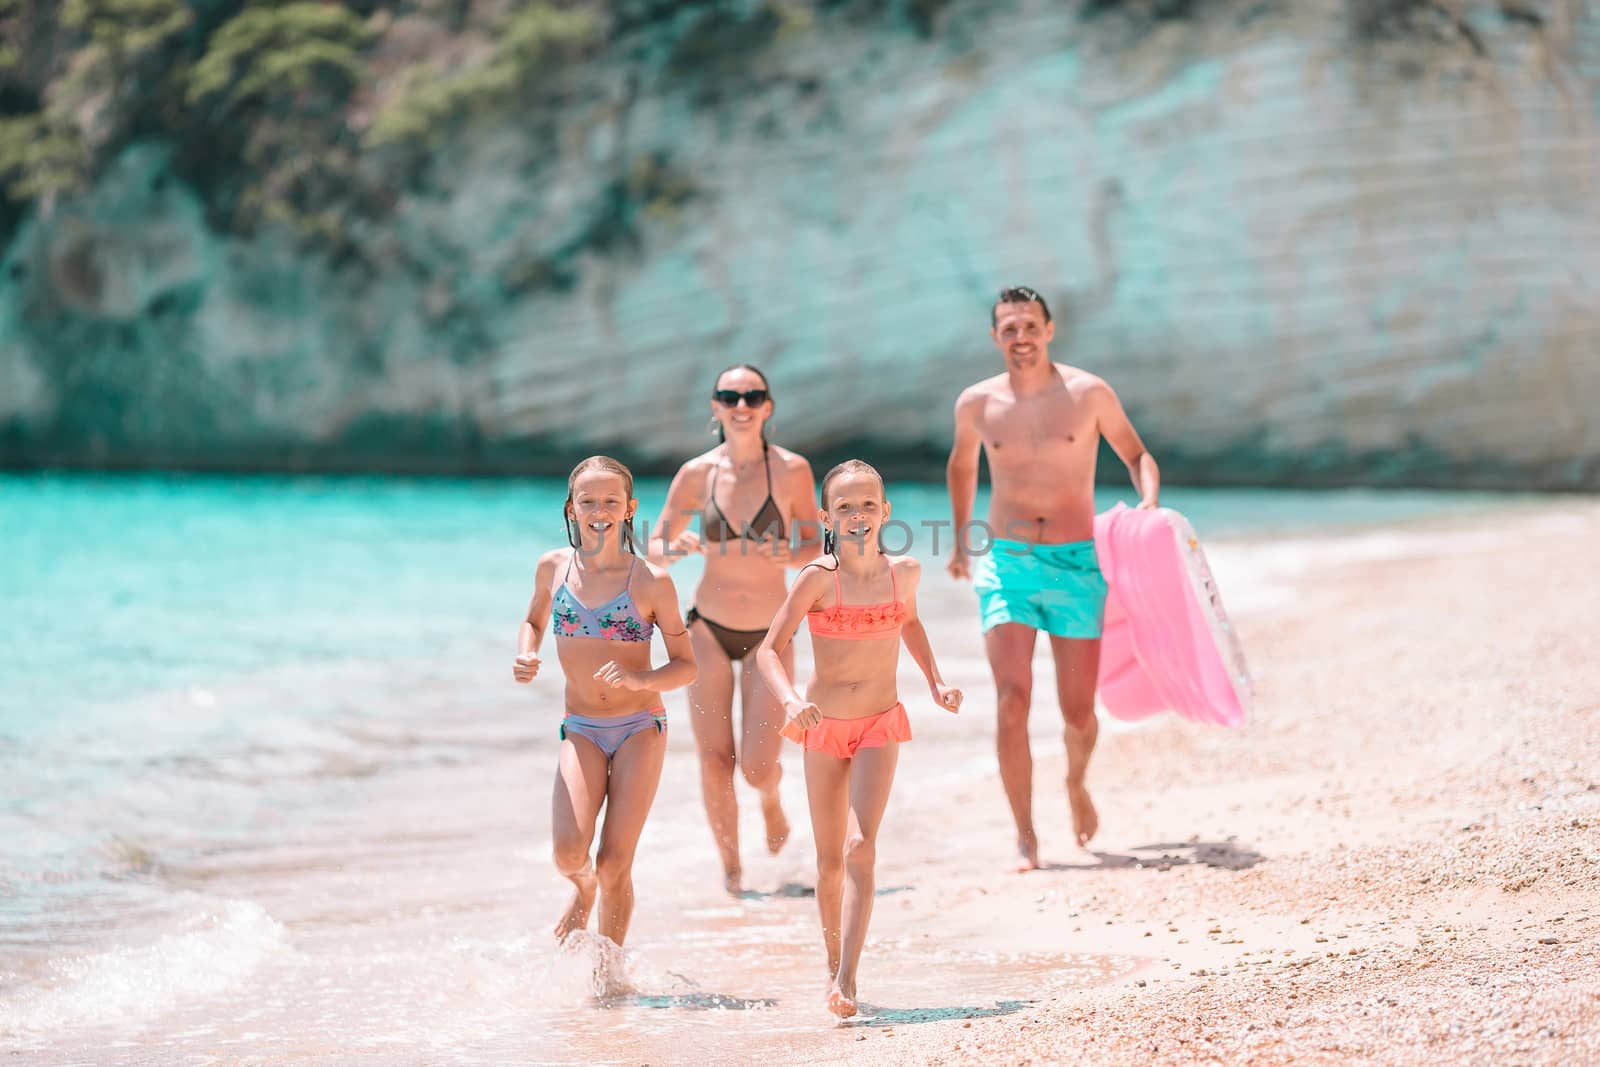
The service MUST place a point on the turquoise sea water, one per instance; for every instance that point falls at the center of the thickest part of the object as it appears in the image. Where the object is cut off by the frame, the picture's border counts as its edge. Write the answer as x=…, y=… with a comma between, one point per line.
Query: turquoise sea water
x=203, y=677
x=124, y=584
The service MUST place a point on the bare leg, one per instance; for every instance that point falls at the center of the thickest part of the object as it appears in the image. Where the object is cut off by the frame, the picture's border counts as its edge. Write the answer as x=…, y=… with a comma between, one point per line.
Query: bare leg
x=1010, y=648
x=635, y=773
x=828, y=793
x=580, y=790
x=1077, y=671
x=711, y=717
x=871, y=775
x=760, y=745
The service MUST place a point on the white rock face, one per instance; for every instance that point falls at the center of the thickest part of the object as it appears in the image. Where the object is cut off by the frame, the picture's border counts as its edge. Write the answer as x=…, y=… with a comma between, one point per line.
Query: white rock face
x=1298, y=254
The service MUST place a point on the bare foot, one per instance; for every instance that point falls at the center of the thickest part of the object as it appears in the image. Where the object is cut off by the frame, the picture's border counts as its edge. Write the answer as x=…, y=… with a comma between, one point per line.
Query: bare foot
x=733, y=882
x=610, y=978
x=841, y=1003
x=1085, y=820
x=777, y=825
x=577, y=916
x=1027, y=855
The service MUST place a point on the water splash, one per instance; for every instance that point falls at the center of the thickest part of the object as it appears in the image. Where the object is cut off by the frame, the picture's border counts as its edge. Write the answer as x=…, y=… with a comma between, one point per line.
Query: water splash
x=216, y=945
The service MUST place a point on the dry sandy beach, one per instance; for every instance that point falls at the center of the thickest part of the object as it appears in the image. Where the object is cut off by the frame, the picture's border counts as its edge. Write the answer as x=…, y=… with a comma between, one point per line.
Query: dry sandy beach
x=1398, y=861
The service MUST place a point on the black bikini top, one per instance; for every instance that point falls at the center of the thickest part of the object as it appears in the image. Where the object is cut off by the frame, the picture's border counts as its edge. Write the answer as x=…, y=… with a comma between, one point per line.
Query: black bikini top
x=768, y=520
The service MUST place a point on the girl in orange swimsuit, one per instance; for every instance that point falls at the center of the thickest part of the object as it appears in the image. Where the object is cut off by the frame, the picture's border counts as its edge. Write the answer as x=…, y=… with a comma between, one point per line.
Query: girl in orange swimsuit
x=602, y=603
x=757, y=506
x=861, y=604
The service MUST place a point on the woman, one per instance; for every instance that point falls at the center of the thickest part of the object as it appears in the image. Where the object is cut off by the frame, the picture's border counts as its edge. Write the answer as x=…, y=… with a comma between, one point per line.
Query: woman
x=860, y=605
x=613, y=737
x=757, y=505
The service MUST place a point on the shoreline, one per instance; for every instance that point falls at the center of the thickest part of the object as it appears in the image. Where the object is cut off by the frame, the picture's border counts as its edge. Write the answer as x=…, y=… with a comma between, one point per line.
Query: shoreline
x=555, y=461
x=1368, y=871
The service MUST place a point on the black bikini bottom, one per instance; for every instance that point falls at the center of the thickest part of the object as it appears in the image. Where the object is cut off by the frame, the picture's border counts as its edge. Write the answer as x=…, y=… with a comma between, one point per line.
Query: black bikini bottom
x=736, y=643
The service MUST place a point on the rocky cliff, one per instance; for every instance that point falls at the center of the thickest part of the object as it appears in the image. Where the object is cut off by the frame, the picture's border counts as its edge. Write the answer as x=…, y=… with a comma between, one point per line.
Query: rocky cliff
x=1308, y=243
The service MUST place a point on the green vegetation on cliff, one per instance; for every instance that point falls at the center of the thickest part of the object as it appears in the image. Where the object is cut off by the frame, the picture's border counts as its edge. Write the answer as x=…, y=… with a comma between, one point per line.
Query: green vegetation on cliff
x=57, y=111
x=270, y=105
x=312, y=113
x=284, y=112
x=533, y=42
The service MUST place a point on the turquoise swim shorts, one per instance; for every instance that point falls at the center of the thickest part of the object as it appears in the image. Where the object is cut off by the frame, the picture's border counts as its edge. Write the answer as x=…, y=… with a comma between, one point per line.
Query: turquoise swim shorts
x=1055, y=588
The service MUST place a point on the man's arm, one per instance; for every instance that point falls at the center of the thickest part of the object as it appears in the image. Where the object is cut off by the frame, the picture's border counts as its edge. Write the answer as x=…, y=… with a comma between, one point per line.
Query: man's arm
x=1124, y=440
x=961, y=475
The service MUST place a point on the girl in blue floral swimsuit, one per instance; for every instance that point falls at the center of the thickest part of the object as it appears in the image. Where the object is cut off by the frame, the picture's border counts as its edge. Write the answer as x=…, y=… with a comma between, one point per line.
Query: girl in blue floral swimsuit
x=613, y=737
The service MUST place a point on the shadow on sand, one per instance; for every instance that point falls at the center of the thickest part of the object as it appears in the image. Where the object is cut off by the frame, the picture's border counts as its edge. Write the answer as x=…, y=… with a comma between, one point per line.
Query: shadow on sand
x=688, y=1002
x=796, y=890
x=872, y=1015
x=1225, y=855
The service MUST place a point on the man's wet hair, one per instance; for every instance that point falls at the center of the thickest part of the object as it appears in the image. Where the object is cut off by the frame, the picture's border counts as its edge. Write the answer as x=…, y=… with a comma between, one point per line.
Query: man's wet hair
x=1017, y=294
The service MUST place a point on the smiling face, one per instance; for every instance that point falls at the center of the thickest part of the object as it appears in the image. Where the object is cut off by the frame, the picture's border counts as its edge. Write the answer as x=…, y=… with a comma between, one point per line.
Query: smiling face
x=1022, y=332
x=739, y=417
x=854, y=508
x=601, y=506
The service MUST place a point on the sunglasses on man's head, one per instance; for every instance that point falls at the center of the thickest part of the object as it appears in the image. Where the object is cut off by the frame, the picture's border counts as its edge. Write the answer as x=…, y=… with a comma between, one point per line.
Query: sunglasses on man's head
x=729, y=398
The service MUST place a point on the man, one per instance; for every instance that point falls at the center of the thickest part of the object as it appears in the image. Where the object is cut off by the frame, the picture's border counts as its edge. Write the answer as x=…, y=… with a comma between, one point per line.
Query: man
x=1040, y=424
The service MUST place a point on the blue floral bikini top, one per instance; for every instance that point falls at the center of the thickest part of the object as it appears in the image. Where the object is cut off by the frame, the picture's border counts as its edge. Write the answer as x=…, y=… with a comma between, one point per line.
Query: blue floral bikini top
x=618, y=619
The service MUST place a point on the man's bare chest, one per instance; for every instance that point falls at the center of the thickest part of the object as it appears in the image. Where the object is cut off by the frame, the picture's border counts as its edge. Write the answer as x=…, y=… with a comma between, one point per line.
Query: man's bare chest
x=1028, y=428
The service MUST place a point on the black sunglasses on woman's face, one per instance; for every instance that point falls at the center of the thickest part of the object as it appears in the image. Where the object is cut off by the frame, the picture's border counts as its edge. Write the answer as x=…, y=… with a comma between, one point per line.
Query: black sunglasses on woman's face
x=729, y=398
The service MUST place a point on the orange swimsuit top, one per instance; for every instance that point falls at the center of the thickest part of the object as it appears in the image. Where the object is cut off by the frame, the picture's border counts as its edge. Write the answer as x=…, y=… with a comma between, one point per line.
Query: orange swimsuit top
x=849, y=622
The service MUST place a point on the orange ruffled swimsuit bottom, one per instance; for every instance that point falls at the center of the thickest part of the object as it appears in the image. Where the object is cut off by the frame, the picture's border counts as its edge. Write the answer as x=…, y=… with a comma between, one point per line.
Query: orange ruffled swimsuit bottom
x=854, y=622
x=842, y=737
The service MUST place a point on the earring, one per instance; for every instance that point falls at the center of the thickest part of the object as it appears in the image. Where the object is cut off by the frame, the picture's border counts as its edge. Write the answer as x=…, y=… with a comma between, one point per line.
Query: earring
x=711, y=425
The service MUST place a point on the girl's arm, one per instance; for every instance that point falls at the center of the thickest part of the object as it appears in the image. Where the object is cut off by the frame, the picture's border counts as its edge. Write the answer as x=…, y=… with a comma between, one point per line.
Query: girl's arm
x=672, y=538
x=916, y=639
x=534, y=623
x=804, y=595
x=660, y=602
